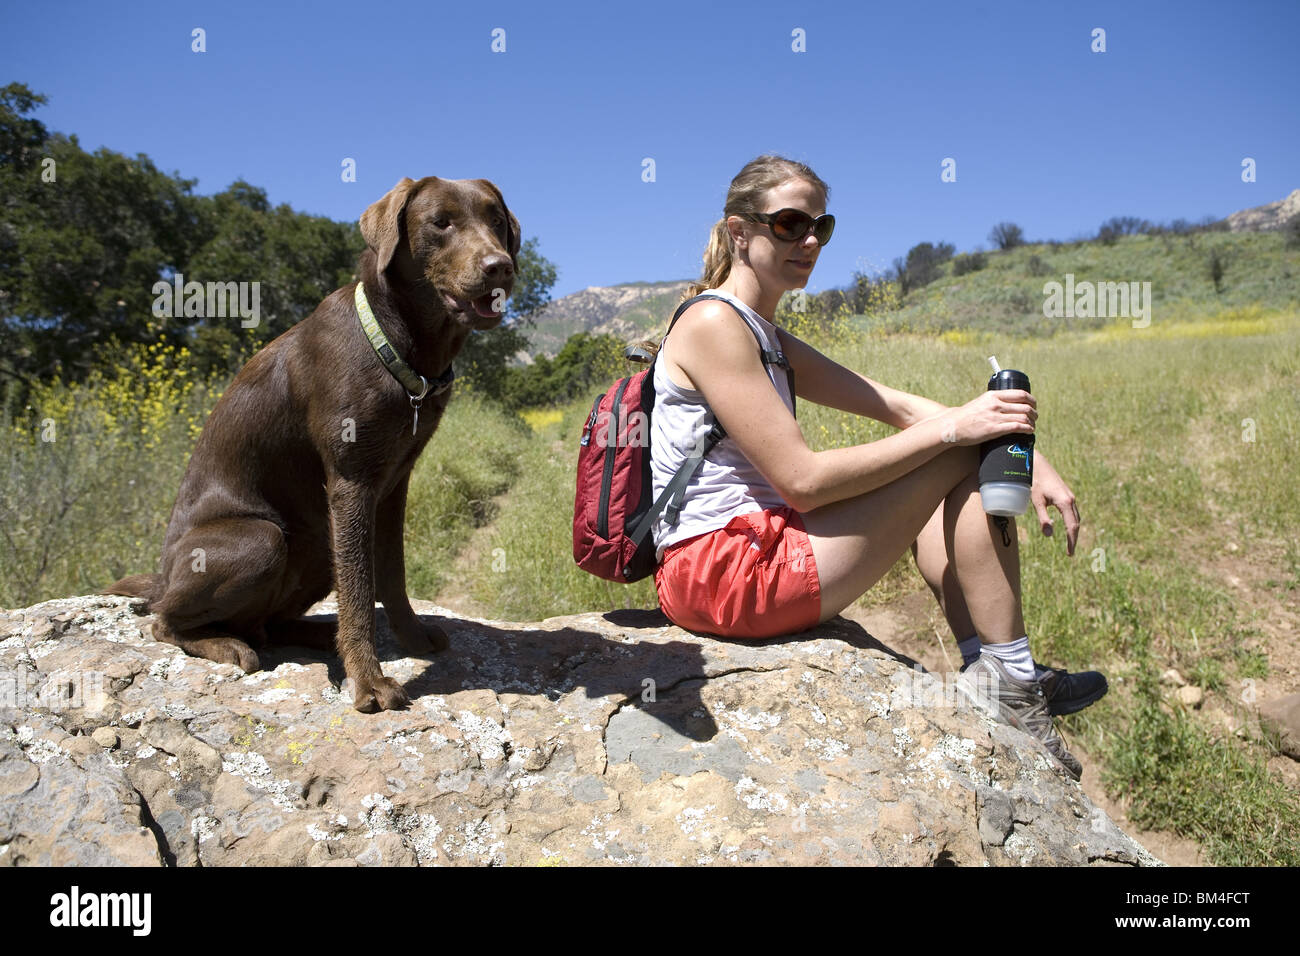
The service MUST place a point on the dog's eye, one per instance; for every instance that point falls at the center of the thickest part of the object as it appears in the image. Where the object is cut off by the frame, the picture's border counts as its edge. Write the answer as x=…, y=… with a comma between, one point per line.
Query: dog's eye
x=442, y=222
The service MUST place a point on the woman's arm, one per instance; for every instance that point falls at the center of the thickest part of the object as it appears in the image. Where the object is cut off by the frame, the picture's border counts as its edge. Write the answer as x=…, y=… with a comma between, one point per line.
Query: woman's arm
x=825, y=382
x=715, y=350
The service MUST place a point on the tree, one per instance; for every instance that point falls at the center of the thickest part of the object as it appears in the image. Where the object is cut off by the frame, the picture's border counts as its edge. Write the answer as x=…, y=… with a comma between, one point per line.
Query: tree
x=296, y=260
x=81, y=251
x=585, y=363
x=1117, y=226
x=1007, y=235
x=21, y=137
x=922, y=265
x=968, y=262
x=1216, y=265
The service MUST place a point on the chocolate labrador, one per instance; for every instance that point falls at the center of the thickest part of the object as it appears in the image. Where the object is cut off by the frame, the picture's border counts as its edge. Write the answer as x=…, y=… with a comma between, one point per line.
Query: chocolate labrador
x=298, y=480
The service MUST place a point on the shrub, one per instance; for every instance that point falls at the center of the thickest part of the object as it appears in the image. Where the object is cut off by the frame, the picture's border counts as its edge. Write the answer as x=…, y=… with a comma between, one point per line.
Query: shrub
x=1216, y=265
x=872, y=296
x=118, y=439
x=1292, y=232
x=922, y=264
x=1007, y=235
x=968, y=262
x=1117, y=226
x=1035, y=266
x=584, y=363
x=814, y=319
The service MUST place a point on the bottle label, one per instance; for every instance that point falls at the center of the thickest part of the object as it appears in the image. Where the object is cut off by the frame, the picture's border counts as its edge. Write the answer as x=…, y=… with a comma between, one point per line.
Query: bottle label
x=1008, y=459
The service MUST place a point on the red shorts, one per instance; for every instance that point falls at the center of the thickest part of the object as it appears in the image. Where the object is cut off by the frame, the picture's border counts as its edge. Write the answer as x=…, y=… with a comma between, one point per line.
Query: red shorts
x=754, y=578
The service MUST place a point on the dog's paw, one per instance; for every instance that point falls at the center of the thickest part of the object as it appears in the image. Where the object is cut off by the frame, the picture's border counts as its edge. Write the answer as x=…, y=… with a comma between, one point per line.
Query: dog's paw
x=244, y=657
x=423, y=639
x=222, y=650
x=384, y=693
x=231, y=650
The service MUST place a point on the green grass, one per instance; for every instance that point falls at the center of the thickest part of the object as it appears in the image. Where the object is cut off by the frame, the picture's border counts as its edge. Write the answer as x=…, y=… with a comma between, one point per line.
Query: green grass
x=1181, y=778
x=473, y=457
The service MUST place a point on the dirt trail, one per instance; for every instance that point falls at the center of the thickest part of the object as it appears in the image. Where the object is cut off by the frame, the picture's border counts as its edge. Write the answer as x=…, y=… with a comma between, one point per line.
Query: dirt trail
x=456, y=594
x=1250, y=570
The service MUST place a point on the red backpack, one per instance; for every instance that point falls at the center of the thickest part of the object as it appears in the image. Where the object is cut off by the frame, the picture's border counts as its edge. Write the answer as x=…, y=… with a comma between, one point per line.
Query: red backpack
x=612, y=509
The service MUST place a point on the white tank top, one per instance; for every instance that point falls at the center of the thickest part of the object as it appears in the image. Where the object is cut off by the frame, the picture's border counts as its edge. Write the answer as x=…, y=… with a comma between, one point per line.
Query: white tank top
x=726, y=484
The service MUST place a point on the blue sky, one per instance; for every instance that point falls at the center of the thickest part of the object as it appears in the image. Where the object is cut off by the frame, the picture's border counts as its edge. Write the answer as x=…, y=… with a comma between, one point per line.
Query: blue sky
x=1044, y=132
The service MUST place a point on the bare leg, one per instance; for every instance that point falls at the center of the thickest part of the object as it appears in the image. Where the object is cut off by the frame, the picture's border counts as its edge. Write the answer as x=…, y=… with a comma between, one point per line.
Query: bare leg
x=930, y=552
x=857, y=540
x=975, y=578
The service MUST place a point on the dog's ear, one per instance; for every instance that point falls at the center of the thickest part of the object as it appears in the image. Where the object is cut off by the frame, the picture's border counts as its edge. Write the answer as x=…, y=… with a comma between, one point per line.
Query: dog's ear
x=512, y=224
x=381, y=223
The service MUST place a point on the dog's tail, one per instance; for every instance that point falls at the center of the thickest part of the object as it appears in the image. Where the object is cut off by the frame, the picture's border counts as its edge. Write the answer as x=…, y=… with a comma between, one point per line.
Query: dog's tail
x=137, y=585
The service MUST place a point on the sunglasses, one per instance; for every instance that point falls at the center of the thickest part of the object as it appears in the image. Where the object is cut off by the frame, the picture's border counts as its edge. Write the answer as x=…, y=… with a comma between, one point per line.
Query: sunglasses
x=791, y=225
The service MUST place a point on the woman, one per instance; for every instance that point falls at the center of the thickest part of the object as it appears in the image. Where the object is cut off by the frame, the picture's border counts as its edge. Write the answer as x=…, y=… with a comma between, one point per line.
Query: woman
x=772, y=537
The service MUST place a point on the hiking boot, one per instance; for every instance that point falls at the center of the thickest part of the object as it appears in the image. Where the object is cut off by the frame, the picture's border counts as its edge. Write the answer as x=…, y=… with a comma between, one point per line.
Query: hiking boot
x=1069, y=693
x=1022, y=704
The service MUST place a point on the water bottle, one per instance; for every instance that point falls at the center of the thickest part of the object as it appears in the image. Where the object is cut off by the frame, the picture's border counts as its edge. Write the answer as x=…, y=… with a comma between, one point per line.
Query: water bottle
x=1007, y=463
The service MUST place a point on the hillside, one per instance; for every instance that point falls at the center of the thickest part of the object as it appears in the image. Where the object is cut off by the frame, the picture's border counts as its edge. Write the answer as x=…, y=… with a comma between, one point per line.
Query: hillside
x=1174, y=275
x=630, y=311
x=1249, y=250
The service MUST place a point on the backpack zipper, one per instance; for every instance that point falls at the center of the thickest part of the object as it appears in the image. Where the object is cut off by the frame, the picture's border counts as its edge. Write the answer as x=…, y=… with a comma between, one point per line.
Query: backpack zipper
x=611, y=449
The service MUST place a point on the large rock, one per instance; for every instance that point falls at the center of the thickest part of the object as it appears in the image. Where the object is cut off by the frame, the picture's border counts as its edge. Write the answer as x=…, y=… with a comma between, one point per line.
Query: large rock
x=1282, y=717
x=1273, y=215
x=587, y=739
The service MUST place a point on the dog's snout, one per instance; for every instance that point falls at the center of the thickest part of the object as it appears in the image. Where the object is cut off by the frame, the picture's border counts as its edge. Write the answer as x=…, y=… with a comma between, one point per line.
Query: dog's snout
x=498, y=268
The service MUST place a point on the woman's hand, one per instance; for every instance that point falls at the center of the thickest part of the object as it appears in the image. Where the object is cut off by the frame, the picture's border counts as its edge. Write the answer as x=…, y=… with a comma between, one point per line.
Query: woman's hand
x=991, y=415
x=1050, y=489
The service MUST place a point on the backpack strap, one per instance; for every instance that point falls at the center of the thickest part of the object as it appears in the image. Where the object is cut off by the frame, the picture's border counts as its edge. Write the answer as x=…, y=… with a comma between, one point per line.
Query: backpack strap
x=670, y=500
x=766, y=356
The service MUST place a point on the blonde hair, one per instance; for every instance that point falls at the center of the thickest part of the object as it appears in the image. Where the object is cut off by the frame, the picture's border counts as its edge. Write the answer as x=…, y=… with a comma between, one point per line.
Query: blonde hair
x=745, y=195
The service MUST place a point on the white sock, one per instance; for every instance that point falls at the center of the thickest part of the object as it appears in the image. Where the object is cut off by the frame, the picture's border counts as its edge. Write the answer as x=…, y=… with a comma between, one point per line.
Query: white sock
x=970, y=649
x=1015, y=657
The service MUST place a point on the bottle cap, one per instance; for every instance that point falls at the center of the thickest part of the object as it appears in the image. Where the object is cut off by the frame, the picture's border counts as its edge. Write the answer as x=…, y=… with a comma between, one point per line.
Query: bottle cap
x=1009, y=378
